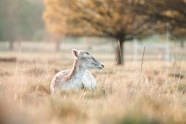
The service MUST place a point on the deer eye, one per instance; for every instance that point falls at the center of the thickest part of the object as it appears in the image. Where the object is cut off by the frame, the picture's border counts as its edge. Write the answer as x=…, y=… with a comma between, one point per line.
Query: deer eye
x=89, y=58
x=87, y=53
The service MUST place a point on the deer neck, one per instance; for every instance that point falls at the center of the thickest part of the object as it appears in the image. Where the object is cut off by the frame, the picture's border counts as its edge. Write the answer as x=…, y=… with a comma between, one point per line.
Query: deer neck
x=76, y=73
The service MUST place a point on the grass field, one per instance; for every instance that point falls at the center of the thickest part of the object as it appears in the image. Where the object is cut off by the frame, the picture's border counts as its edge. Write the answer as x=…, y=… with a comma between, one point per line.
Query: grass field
x=151, y=93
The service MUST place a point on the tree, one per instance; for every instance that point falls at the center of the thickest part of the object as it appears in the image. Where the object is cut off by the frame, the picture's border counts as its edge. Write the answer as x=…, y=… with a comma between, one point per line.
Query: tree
x=179, y=35
x=106, y=18
x=165, y=11
x=20, y=20
x=172, y=11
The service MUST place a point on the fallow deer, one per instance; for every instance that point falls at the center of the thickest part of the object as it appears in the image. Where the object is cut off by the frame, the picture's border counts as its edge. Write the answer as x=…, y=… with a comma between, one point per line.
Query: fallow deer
x=78, y=77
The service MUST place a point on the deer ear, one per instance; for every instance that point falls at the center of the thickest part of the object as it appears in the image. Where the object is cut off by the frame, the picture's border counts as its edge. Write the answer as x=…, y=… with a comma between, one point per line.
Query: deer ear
x=75, y=53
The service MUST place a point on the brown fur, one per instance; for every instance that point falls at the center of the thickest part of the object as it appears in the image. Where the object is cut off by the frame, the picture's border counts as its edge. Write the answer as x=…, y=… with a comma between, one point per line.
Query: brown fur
x=69, y=76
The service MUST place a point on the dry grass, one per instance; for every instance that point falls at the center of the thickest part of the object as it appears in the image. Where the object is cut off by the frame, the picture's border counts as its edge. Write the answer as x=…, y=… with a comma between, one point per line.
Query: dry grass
x=123, y=96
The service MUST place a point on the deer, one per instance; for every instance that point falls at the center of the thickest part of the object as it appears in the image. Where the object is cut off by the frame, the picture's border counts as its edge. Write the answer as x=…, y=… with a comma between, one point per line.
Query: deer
x=79, y=77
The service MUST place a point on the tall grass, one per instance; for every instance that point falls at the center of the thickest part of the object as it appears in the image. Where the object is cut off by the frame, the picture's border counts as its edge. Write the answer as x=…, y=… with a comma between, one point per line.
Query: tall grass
x=120, y=98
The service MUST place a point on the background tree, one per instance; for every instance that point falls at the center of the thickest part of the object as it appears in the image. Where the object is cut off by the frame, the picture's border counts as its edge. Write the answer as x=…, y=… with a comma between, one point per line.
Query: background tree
x=165, y=11
x=20, y=20
x=106, y=18
x=179, y=34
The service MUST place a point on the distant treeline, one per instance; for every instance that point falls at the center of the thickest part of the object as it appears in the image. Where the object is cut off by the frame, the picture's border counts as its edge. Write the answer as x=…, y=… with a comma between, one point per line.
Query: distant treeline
x=21, y=20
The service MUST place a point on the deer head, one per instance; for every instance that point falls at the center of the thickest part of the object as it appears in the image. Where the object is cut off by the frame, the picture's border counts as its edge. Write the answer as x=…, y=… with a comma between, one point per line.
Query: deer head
x=86, y=61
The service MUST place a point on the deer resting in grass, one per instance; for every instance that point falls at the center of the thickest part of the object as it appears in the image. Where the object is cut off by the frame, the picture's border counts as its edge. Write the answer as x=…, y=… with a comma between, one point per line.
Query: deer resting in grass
x=78, y=77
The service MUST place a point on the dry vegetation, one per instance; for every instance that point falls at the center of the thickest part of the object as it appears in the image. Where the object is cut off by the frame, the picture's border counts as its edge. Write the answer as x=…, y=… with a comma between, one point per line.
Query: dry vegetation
x=125, y=95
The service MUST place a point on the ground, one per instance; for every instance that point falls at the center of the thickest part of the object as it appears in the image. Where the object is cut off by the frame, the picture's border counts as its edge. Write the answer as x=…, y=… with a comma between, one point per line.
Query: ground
x=152, y=92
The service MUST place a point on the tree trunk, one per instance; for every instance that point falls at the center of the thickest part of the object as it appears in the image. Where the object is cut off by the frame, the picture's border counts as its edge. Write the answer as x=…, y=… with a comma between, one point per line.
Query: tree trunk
x=119, y=51
x=58, y=46
x=182, y=43
x=58, y=43
x=11, y=45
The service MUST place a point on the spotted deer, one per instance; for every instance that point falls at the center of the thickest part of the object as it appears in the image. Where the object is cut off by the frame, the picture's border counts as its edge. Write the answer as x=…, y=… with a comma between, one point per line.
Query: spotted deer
x=78, y=77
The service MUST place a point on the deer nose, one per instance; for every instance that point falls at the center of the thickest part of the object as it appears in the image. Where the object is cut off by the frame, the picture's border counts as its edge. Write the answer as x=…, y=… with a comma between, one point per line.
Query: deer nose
x=102, y=65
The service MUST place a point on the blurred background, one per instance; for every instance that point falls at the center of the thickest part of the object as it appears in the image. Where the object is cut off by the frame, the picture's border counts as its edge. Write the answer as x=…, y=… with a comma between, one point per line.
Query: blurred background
x=140, y=42
x=119, y=28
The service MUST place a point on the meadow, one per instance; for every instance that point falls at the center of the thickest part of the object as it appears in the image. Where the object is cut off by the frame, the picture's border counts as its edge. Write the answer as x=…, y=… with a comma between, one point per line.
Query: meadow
x=152, y=92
